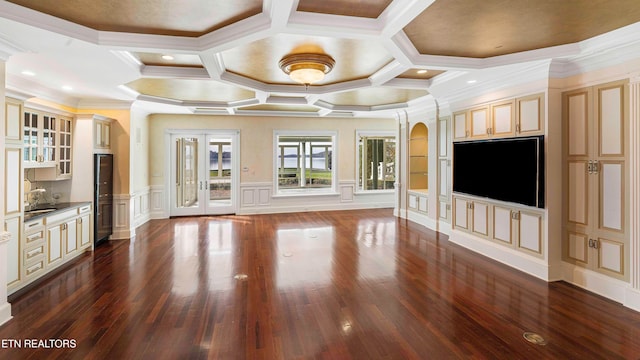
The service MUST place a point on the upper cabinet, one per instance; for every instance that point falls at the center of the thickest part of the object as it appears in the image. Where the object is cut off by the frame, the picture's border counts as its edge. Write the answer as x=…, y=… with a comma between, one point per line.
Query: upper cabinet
x=13, y=115
x=515, y=117
x=102, y=134
x=529, y=119
x=39, y=139
x=95, y=133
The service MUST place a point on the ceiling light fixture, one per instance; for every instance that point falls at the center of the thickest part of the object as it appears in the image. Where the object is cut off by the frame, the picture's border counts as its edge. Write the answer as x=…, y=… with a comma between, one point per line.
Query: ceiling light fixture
x=28, y=73
x=423, y=71
x=167, y=57
x=307, y=68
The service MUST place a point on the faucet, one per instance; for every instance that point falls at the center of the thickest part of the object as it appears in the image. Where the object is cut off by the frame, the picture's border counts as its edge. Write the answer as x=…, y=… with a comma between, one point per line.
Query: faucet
x=32, y=201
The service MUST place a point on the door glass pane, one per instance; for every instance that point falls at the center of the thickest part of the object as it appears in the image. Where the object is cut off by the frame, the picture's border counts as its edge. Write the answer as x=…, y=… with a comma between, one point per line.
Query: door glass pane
x=186, y=172
x=219, y=182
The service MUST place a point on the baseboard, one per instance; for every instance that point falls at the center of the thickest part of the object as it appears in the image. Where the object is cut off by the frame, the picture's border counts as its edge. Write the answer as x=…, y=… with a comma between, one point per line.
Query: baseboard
x=517, y=260
x=5, y=313
x=603, y=285
x=632, y=299
x=423, y=220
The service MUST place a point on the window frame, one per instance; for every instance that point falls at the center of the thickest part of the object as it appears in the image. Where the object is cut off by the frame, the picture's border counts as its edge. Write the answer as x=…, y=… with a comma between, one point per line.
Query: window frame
x=300, y=190
x=373, y=133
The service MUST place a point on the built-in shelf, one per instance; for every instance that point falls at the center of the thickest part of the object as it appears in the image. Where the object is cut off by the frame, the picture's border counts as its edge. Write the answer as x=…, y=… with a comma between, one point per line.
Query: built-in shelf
x=419, y=158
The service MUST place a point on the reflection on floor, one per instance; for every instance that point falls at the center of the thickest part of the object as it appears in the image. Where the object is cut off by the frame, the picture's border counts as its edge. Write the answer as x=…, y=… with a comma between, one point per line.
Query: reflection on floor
x=336, y=285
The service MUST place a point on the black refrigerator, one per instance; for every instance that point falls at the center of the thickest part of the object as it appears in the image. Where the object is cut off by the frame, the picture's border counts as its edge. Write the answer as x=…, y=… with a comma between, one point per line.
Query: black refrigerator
x=102, y=197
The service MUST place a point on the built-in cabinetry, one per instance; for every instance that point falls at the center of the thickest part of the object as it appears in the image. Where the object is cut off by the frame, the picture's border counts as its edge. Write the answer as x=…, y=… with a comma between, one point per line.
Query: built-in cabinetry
x=13, y=177
x=444, y=169
x=56, y=147
x=418, y=200
x=101, y=132
x=514, y=117
x=507, y=224
x=596, y=169
x=53, y=240
x=419, y=157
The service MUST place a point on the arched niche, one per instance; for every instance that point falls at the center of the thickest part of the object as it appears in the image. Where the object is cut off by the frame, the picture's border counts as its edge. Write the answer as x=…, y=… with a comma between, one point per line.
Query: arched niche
x=419, y=157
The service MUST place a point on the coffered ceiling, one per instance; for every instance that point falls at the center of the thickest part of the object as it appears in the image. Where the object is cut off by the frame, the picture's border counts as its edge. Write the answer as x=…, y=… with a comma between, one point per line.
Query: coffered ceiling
x=219, y=55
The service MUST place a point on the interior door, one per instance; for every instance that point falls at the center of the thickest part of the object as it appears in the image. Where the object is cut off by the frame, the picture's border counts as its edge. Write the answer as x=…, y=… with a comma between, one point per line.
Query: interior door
x=203, y=173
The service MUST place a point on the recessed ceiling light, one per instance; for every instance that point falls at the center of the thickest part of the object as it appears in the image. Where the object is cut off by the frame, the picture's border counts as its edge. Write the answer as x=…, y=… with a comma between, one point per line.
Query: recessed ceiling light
x=167, y=57
x=423, y=71
x=67, y=88
x=28, y=73
x=471, y=81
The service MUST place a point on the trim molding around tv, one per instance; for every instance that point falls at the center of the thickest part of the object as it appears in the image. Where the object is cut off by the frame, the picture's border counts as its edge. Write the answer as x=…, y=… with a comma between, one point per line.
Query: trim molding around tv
x=509, y=169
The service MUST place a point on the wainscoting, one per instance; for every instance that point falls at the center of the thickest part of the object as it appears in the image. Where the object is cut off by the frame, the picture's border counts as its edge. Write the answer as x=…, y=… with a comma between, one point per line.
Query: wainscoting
x=131, y=211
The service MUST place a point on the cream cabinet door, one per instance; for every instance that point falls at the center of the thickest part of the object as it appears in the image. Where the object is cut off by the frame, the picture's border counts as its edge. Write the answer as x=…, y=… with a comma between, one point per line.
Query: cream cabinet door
x=502, y=116
x=13, y=226
x=70, y=231
x=502, y=225
x=530, y=232
x=84, y=231
x=479, y=123
x=54, y=244
x=460, y=131
x=461, y=213
x=13, y=122
x=596, y=166
x=529, y=117
x=480, y=213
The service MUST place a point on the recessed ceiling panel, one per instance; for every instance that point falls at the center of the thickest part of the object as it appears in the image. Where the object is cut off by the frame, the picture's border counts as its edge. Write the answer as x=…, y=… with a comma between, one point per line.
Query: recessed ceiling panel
x=273, y=107
x=180, y=18
x=374, y=96
x=360, y=8
x=421, y=74
x=185, y=60
x=496, y=27
x=190, y=90
x=355, y=59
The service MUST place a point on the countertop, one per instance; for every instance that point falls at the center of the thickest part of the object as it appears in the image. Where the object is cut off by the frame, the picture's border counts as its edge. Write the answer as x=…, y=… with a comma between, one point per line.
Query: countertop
x=59, y=207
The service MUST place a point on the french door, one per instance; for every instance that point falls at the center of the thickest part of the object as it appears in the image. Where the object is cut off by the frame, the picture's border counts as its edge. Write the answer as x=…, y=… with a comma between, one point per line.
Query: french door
x=204, y=173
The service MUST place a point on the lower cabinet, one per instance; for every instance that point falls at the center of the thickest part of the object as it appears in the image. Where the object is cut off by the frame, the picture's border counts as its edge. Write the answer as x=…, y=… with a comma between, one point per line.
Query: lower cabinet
x=419, y=201
x=505, y=224
x=51, y=241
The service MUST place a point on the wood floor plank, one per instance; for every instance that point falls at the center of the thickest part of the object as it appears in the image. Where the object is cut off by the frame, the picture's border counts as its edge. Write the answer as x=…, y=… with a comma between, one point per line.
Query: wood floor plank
x=320, y=285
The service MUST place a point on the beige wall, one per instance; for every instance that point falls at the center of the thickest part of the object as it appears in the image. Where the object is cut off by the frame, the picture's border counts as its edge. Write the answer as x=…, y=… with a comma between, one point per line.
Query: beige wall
x=139, y=145
x=120, y=136
x=256, y=139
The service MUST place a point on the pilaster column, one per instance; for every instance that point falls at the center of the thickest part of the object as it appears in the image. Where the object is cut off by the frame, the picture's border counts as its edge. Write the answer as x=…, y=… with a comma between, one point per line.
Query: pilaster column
x=5, y=307
x=634, y=161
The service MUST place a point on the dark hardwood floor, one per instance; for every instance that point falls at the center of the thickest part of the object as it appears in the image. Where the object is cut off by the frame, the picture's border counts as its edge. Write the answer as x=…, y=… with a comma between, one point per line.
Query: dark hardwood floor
x=332, y=285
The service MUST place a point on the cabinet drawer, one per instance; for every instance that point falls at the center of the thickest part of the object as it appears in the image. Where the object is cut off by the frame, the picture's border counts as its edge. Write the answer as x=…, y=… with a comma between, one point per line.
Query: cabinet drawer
x=34, y=237
x=84, y=209
x=33, y=225
x=58, y=217
x=33, y=253
x=35, y=268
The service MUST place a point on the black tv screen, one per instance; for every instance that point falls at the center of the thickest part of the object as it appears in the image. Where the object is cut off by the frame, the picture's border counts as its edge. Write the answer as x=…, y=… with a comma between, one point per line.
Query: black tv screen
x=502, y=169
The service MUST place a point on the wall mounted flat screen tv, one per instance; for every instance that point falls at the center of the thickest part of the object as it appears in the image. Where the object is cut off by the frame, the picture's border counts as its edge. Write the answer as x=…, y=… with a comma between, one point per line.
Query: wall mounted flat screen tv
x=502, y=169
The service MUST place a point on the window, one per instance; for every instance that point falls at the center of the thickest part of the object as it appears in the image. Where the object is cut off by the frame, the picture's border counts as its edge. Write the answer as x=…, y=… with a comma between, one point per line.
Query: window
x=376, y=161
x=304, y=162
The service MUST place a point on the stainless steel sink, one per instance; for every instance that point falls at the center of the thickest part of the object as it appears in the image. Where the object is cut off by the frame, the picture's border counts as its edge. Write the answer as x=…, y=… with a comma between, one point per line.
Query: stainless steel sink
x=40, y=211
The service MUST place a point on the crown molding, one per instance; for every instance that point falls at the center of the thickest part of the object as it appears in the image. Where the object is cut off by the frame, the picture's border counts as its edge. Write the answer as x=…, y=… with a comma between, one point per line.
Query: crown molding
x=150, y=71
x=105, y=104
